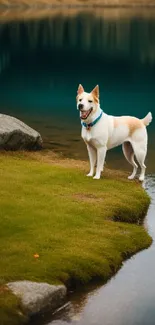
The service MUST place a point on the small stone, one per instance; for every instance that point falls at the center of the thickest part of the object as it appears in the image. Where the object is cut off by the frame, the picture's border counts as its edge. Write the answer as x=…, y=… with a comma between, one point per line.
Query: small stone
x=38, y=297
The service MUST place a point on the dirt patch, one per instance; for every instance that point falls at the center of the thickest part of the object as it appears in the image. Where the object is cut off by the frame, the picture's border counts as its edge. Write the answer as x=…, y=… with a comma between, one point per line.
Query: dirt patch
x=3, y=289
x=87, y=197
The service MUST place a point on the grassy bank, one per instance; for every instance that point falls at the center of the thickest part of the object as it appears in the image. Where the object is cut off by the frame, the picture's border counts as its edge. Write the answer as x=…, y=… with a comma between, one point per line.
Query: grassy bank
x=50, y=208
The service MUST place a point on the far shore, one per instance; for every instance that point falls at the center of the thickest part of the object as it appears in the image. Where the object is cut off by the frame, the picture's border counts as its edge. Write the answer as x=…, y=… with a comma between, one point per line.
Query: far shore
x=111, y=10
x=79, y=3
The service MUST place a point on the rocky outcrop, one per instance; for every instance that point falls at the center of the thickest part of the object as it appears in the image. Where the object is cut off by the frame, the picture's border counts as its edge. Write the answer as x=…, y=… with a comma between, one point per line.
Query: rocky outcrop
x=16, y=135
x=38, y=297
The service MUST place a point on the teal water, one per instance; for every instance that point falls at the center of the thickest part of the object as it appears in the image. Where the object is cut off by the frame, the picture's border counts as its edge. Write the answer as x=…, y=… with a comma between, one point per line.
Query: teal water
x=42, y=61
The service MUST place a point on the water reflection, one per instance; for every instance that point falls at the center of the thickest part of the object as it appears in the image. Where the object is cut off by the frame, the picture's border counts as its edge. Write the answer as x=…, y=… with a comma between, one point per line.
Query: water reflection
x=129, y=37
x=4, y=61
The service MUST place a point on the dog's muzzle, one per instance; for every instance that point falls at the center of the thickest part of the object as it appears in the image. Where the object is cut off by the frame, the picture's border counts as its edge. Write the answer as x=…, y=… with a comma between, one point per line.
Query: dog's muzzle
x=84, y=114
x=80, y=107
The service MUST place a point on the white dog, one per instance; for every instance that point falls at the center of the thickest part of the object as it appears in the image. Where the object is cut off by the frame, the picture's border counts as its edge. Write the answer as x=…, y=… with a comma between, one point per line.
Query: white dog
x=102, y=132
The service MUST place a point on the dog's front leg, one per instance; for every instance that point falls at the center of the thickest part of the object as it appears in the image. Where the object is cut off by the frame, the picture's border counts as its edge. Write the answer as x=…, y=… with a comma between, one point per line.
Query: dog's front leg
x=92, y=157
x=101, y=153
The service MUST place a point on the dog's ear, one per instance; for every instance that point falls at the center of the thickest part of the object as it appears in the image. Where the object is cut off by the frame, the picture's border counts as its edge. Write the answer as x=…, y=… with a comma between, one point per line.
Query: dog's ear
x=80, y=90
x=95, y=91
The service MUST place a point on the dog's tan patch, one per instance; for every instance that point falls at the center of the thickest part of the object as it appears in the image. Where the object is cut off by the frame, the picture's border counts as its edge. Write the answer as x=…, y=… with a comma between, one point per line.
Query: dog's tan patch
x=133, y=123
x=95, y=92
x=95, y=99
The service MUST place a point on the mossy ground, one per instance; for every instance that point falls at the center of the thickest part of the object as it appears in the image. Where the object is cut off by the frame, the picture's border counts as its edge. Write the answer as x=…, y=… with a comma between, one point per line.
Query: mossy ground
x=50, y=208
x=10, y=308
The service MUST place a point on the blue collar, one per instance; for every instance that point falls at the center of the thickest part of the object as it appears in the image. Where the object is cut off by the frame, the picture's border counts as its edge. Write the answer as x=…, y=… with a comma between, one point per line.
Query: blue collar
x=89, y=125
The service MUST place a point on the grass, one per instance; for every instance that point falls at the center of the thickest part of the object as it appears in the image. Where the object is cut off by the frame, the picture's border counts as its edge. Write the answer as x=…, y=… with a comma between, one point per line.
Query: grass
x=48, y=207
x=10, y=308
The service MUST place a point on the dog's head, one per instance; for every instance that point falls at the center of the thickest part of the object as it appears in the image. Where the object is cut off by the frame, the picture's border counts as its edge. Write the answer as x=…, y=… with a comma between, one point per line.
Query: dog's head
x=87, y=103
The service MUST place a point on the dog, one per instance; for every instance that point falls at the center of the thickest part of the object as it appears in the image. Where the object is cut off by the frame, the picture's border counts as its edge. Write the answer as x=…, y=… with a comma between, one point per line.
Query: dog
x=102, y=132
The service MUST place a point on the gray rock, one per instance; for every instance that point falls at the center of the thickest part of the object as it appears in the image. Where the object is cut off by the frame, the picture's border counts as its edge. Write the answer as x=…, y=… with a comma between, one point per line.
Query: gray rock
x=15, y=135
x=38, y=297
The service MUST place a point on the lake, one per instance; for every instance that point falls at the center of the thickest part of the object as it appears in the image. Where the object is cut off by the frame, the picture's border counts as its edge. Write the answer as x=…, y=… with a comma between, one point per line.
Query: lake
x=44, y=56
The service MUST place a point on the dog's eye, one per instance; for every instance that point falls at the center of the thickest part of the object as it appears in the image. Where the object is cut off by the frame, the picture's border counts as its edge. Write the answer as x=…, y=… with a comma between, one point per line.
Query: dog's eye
x=90, y=101
x=80, y=99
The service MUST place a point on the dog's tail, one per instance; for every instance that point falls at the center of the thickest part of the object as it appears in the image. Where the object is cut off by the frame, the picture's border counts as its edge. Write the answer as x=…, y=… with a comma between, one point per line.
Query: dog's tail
x=147, y=119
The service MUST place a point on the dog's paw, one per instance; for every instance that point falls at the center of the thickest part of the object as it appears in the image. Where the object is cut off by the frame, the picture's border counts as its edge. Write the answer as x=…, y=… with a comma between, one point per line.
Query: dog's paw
x=141, y=178
x=131, y=177
x=90, y=174
x=96, y=177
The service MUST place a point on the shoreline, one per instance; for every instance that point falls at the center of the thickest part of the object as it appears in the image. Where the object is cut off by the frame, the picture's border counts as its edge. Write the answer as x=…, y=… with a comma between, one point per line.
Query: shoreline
x=103, y=298
x=113, y=11
x=140, y=239
x=75, y=4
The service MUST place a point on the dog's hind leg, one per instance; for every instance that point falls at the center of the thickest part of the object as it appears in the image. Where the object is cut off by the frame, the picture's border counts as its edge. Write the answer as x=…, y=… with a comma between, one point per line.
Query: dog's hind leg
x=129, y=155
x=140, y=153
x=139, y=144
x=92, y=157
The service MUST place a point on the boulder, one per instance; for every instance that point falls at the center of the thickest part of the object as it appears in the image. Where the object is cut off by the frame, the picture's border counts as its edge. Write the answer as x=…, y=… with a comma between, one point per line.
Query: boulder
x=16, y=135
x=38, y=297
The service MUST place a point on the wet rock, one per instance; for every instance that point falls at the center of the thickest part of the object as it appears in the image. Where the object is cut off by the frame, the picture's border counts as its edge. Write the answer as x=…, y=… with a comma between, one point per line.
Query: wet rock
x=15, y=135
x=38, y=297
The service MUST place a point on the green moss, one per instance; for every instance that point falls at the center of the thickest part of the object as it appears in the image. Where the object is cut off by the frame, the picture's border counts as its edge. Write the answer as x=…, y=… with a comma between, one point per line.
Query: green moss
x=10, y=308
x=68, y=220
